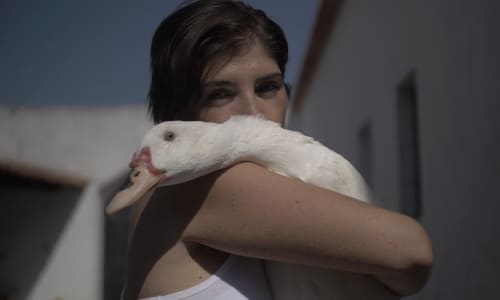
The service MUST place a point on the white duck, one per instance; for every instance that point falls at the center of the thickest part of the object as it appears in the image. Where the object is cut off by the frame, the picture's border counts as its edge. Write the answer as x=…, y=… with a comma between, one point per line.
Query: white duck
x=175, y=152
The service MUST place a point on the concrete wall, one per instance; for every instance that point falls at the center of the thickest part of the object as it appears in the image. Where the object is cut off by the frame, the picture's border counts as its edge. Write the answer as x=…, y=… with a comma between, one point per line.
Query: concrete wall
x=73, y=269
x=95, y=143
x=92, y=142
x=34, y=214
x=452, y=46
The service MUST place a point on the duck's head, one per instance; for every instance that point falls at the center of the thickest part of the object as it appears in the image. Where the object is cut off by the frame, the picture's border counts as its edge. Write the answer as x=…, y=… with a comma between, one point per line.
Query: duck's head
x=171, y=152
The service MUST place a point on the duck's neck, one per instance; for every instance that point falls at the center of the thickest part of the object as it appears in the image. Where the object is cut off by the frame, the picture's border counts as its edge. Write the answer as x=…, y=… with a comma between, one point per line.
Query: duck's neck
x=249, y=140
x=217, y=146
x=229, y=143
x=216, y=149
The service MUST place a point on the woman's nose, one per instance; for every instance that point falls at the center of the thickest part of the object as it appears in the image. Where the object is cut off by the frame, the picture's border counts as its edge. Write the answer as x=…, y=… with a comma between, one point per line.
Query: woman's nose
x=249, y=104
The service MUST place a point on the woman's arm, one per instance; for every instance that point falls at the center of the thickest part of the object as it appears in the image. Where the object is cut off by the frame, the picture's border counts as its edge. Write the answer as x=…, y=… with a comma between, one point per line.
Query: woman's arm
x=253, y=212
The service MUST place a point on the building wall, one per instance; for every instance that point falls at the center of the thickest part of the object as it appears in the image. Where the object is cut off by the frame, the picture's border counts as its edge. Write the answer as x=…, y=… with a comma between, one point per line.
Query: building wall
x=94, y=143
x=33, y=217
x=452, y=47
x=73, y=269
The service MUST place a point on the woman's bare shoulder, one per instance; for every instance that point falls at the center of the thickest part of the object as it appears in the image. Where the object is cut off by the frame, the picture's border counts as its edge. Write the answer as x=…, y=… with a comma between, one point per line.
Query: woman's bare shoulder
x=186, y=199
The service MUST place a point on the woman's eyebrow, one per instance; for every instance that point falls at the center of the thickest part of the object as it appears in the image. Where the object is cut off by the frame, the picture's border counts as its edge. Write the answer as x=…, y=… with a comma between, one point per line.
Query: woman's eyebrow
x=273, y=76
x=216, y=83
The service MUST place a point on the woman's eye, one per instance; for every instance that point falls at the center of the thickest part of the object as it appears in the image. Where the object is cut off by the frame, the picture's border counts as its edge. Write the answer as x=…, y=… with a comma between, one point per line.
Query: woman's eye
x=219, y=97
x=268, y=88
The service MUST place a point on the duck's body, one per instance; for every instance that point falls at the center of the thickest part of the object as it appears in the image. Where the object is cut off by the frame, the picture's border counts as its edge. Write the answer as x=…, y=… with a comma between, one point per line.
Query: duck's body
x=201, y=148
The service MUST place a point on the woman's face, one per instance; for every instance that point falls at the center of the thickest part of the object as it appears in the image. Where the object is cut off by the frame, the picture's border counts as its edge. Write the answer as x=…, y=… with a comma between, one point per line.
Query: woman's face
x=249, y=84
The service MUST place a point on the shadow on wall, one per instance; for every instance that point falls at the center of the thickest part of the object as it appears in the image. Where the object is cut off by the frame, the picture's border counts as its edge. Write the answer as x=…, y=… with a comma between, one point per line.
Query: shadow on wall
x=34, y=215
x=115, y=240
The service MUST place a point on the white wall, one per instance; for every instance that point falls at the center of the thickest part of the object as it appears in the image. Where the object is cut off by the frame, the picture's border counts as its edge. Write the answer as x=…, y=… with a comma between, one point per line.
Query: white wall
x=453, y=46
x=95, y=143
x=92, y=142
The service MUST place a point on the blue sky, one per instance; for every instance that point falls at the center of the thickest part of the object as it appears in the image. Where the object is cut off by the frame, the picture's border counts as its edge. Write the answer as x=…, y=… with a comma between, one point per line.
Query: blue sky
x=95, y=52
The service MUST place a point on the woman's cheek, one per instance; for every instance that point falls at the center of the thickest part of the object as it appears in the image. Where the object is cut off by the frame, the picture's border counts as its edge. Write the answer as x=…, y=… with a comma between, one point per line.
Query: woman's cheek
x=215, y=114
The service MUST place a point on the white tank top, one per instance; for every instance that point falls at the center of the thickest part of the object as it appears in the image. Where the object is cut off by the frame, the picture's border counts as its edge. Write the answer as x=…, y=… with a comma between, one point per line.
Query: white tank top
x=239, y=278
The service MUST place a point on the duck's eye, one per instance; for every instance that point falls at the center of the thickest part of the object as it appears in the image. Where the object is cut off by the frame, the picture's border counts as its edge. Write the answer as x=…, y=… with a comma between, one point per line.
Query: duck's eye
x=169, y=136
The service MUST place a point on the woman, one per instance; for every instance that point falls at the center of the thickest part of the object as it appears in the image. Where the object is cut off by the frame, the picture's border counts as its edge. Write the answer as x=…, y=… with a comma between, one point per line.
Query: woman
x=211, y=60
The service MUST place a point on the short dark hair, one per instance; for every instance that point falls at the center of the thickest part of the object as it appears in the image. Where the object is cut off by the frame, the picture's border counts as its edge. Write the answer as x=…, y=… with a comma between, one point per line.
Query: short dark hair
x=194, y=35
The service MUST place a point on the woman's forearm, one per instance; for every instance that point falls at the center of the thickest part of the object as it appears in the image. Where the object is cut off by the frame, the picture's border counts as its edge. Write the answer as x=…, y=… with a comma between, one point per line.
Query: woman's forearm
x=279, y=218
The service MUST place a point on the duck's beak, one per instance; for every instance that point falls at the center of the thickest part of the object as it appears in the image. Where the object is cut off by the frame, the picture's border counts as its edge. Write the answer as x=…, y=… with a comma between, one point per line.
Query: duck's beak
x=142, y=181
